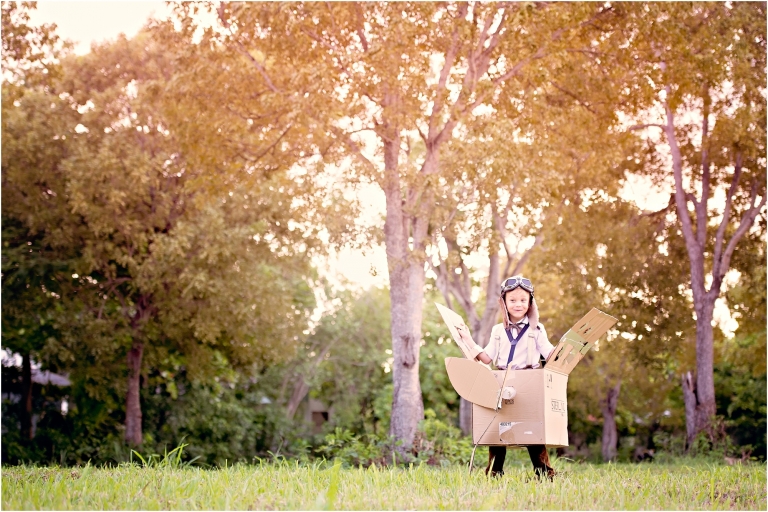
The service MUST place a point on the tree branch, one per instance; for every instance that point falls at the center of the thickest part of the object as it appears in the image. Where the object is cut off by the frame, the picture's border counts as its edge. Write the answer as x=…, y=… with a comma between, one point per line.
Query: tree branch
x=695, y=251
x=746, y=222
x=242, y=50
x=524, y=258
x=666, y=209
x=442, y=280
x=500, y=219
x=351, y=144
x=271, y=146
x=441, y=92
x=361, y=29
x=540, y=54
x=636, y=127
x=574, y=96
x=720, y=235
x=701, y=206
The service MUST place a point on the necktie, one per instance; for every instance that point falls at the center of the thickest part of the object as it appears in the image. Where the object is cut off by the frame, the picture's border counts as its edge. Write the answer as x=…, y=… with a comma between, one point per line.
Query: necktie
x=514, y=339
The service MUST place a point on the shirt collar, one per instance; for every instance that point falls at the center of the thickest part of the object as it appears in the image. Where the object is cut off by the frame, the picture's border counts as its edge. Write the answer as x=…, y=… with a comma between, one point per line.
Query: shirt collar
x=524, y=321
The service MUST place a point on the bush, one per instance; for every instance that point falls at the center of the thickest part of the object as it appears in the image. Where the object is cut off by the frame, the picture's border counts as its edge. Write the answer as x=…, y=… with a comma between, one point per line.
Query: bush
x=352, y=450
x=436, y=443
x=439, y=443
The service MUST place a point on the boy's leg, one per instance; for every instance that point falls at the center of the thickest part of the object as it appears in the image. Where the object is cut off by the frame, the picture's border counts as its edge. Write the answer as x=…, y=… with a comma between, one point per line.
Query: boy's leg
x=540, y=459
x=496, y=456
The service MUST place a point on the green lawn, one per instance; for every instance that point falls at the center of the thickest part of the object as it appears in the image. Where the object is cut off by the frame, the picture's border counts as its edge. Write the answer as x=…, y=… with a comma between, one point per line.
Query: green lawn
x=323, y=486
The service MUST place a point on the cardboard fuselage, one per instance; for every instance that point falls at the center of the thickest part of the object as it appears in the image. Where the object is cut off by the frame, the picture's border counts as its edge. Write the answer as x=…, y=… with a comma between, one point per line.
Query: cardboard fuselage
x=537, y=413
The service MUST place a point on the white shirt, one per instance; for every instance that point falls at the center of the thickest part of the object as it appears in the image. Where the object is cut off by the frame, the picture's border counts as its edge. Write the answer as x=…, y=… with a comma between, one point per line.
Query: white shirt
x=498, y=346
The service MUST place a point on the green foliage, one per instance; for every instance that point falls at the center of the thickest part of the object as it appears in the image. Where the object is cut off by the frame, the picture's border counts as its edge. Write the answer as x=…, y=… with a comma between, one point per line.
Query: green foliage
x=437, y=392
x=436, y=443
x=346, y=448
x=441, y=443
x=742, y=406
x=353, y=344
x=111, y=234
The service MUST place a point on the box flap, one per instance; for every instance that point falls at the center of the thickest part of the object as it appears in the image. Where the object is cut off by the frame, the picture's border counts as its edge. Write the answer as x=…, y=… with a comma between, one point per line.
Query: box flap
x=453, y=320
x=473, y=381
x=575, y=343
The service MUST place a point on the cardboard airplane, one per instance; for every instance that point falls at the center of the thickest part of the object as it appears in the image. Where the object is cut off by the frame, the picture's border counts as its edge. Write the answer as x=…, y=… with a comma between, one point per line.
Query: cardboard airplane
x=521, y=407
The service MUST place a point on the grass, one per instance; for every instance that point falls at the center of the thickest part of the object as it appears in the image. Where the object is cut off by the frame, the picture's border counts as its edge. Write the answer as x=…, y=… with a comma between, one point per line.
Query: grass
x=319, y=486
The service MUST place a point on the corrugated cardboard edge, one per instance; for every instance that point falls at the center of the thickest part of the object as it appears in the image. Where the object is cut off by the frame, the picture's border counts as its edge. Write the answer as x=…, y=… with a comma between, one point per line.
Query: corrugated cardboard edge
x=472, y=381
x=452, y=320
x=578, y=340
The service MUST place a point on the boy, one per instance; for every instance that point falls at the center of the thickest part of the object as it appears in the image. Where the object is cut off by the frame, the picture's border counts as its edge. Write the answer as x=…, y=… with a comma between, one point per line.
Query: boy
x=517, y=343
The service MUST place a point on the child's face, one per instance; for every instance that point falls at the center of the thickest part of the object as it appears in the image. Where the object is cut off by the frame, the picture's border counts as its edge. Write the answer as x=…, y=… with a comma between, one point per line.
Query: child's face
x=517, y=302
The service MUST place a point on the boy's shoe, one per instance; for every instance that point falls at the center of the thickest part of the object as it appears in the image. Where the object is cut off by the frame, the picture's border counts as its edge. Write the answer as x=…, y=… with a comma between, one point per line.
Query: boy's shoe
x=550, y=474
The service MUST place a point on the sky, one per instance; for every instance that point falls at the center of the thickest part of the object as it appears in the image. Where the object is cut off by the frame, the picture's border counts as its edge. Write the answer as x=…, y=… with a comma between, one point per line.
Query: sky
x=87, y=22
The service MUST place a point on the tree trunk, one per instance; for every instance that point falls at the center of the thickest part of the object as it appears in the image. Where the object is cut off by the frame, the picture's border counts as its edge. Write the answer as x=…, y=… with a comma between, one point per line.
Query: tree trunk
x=610, y=433
x=304, y=374
x=133, y=434
x=482, y=331
x=465, y=416
x=406, y=292
x=696, y=244
x=26, y=391
x=299, y=392
x=705, y=381
x=689, y=398
x=491, y=310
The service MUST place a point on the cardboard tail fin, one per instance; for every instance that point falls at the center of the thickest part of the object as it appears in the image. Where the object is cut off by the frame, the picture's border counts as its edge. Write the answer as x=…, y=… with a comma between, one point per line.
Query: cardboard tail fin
x=579, y=339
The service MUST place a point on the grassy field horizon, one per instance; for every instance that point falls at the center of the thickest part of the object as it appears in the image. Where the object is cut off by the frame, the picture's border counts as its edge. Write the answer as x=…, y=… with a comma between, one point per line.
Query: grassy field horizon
x=328, y=486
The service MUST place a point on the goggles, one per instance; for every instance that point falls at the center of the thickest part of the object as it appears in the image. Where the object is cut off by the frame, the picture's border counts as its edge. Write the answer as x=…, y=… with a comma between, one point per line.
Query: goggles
x=517, y=281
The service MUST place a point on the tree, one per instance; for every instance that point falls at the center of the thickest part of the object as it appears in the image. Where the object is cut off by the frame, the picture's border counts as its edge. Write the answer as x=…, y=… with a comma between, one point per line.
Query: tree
x=30, y=53
x=611, y=258
x=399, y=73
x=506, y=199
x=160, y=257
x=699, y=72
x=350, y=374
x=34, y=272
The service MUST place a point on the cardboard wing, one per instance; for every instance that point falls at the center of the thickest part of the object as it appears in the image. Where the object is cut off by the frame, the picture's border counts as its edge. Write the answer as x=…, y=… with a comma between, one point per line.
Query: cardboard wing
x=454, y=320
x=473, y=382
x=575, y=343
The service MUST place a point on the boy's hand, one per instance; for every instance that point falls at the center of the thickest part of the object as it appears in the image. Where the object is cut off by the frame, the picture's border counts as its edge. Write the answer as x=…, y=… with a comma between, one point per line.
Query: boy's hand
x=476, y=351
x=465, y=336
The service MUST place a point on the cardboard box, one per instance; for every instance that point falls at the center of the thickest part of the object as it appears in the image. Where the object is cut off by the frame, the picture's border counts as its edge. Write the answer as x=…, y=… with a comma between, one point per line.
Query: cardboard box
x=525, y=407
x=538, y=413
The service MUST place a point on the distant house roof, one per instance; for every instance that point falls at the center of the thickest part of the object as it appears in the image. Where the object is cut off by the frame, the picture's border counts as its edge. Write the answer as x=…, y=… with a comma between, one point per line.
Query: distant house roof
x=38, y=377
x=48, y=377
